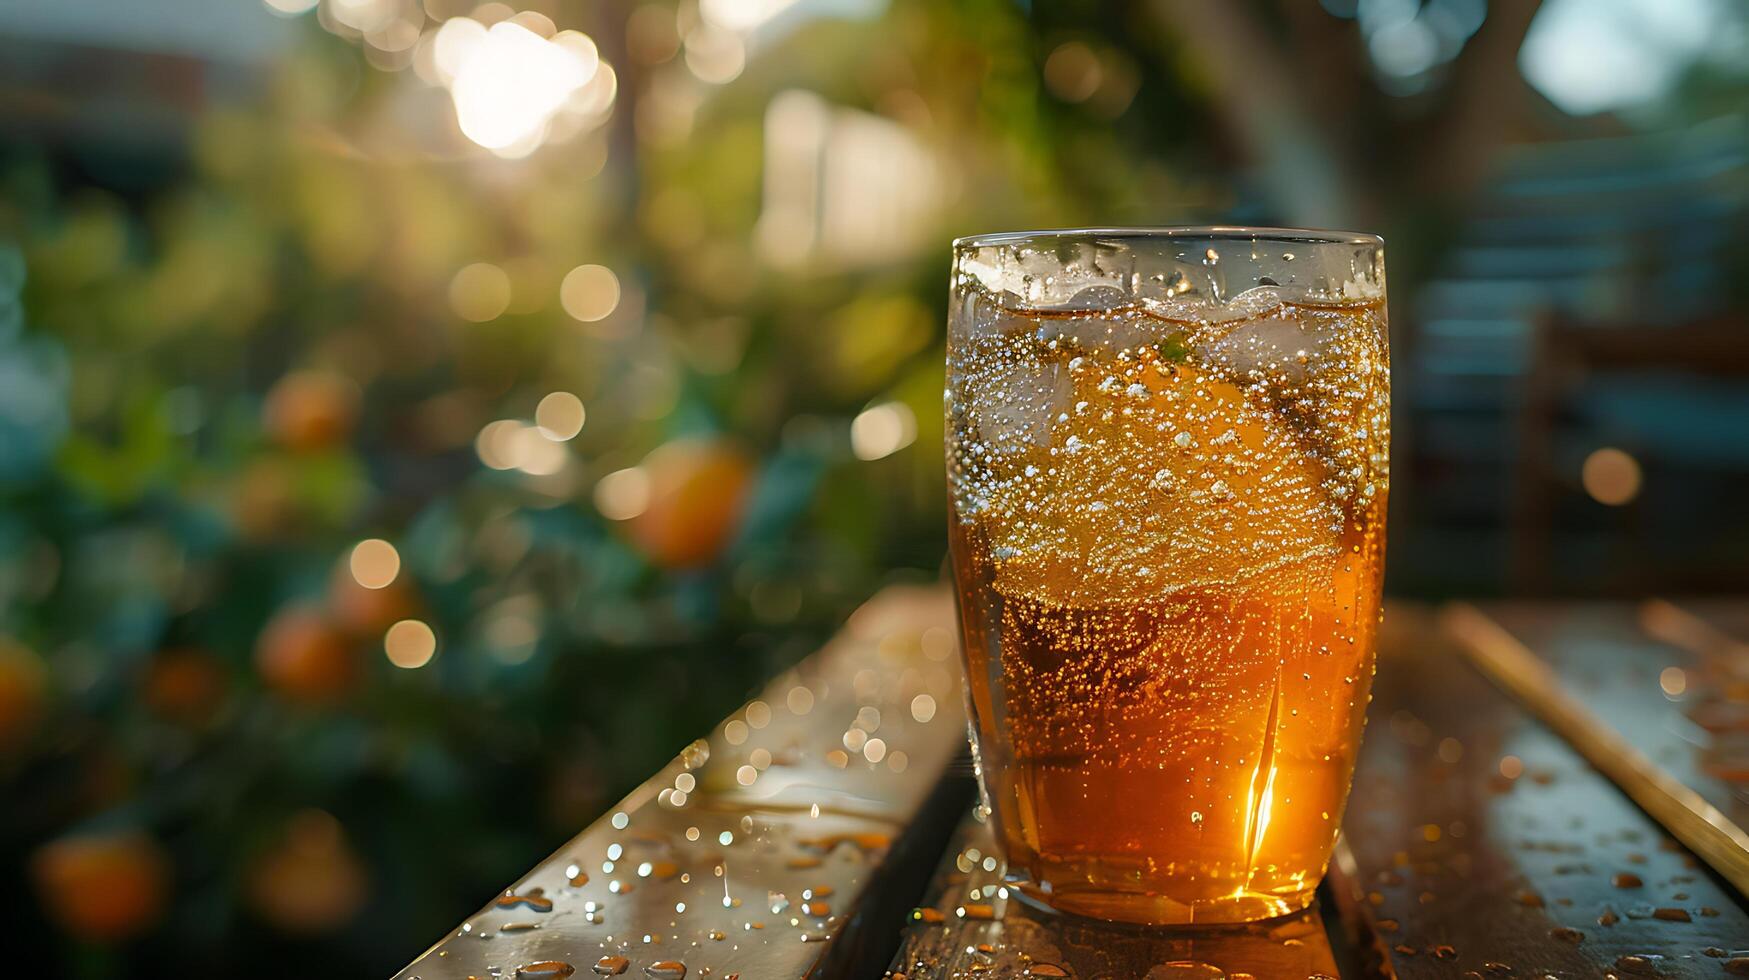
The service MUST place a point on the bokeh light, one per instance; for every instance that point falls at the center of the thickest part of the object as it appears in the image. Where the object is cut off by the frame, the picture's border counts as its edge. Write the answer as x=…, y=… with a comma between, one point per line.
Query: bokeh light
x=510, y=444
x=479, y=292
x=923, y=708
x=590, y=293
x=493, y=445
x=1673, y=681
x=530, y=451
x=651, y=34
x=623, y=494
x=560, y=416
x=1611, y=476
x=714, y=55
x=883, y=430
x=508, y=82
x=374, y=563
x=742, y=15
x=290, y=8
x=1072, y=72
x=452, y=43
x=534, y=22
x=363, y=16
x=410, y=644
x=511, y=629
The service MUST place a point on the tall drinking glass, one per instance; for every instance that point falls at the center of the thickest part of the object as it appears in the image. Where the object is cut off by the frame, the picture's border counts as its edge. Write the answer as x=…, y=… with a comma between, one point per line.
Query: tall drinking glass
x=1168, y=458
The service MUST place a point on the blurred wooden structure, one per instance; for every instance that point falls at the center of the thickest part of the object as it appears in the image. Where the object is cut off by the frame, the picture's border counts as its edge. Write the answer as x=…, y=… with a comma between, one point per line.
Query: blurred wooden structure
x=1584, y=301
x=1480, y=840
x=1565, y=353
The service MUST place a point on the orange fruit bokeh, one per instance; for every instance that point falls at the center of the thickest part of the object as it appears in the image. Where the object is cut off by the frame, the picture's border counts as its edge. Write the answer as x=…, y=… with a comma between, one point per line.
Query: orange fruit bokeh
x=103, y=887
x=305, y=656
x=698, y=490
x=310, y=881
x=23, y=689
x=184, y=685
x=310, y=410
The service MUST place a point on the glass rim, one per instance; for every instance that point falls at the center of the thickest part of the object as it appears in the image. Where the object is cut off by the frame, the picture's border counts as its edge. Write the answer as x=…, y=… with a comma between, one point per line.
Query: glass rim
x=1248, y=233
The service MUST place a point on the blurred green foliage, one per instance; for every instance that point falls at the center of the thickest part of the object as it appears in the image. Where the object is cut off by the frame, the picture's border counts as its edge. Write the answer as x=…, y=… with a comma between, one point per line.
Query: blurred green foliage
x=214, y=389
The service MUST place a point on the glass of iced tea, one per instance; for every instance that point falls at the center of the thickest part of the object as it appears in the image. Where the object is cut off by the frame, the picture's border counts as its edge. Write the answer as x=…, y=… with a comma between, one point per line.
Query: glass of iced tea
x=1168, y=459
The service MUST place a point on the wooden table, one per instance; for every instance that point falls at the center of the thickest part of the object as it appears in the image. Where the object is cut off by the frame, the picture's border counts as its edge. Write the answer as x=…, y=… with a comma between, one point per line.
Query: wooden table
x=827, y=830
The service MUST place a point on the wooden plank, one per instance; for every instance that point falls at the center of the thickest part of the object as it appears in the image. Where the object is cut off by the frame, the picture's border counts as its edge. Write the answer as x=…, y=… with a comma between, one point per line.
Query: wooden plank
x=1607, y=688
x=1713, y=693
x=1724, y=626
x=1484, y=845
x=761, y=850
x=969, y=925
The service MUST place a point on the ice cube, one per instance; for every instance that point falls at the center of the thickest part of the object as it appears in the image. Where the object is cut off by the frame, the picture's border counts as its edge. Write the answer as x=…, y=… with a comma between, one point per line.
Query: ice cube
x=1202, y=311
x=1098, y=297
x=989, y=314
x=1258, y=301
x=1178, y=309
x=1278, y=348
x=1013, y=406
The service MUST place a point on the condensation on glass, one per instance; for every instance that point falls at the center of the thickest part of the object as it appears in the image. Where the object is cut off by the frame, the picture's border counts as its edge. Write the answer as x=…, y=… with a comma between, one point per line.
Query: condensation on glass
x=1168, y=461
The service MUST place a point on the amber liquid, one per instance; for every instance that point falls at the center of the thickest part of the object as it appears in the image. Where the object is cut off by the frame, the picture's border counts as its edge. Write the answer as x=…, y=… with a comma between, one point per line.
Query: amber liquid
x=1168, y=554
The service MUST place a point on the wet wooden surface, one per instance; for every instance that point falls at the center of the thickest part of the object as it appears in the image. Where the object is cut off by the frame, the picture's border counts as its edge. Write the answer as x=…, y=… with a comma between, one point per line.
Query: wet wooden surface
x=1595, y=722
x=789, y=843
x=1478, y=842
x=1484, y=845
x=967, y=925
x=1660, y=673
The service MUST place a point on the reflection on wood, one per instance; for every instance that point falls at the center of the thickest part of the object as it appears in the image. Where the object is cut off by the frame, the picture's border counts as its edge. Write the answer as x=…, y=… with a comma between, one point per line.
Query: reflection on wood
x=1596, y=666
x=755, y=852
x=1484, y=845
x=1708, y=681
x=969, y=925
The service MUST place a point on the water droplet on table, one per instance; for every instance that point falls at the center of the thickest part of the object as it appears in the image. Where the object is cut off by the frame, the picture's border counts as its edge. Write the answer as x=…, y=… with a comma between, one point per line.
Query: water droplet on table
x=546, y=969
x=1186, y=970
x=1643, y=965
x=611, y=966
x=531, y=901
x=667, y=970
x=696, y=754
